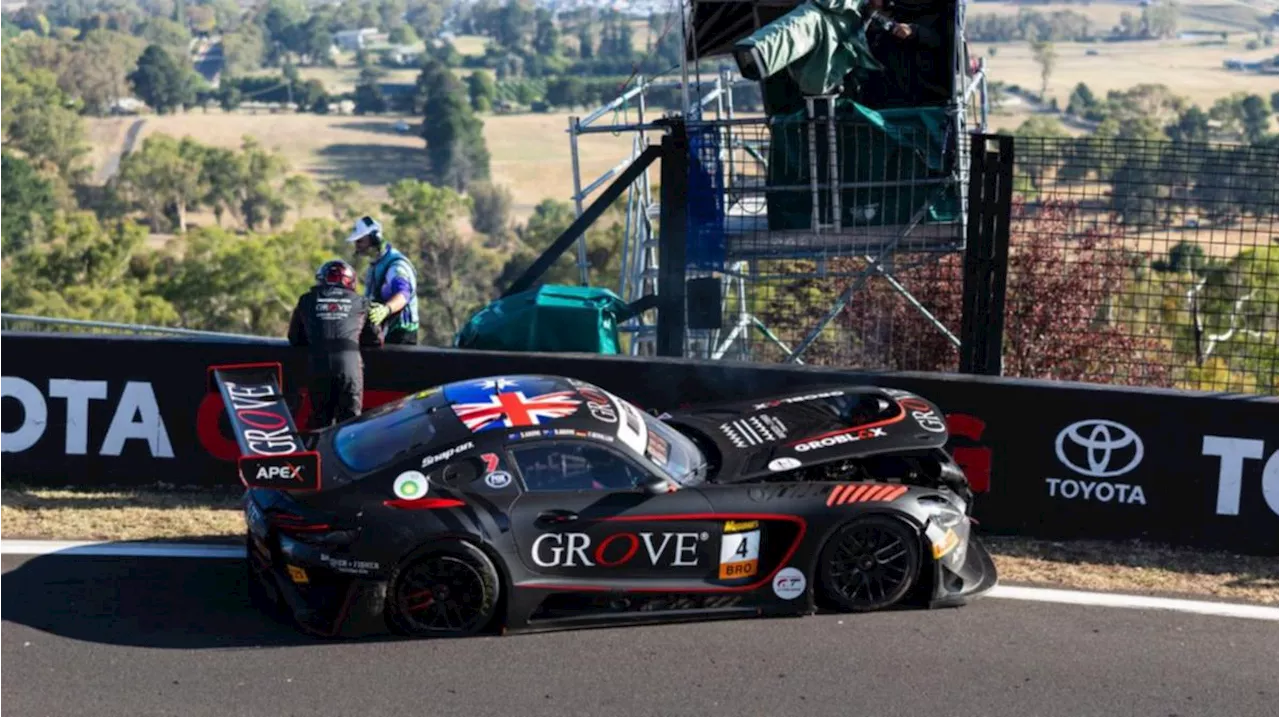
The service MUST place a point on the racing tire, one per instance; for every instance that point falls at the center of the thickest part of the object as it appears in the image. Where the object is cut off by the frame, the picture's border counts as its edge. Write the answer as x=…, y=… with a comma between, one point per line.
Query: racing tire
x=451, y=590
x=870, y=564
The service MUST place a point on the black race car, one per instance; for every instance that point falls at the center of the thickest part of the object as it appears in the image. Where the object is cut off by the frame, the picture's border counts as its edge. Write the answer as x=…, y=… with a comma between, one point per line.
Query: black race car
x=521, y=503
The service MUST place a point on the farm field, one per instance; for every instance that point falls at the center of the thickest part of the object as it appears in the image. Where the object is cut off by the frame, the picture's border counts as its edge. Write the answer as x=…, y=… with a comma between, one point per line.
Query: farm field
x=530, y=151
x=1196, y=17
x=1192, y=70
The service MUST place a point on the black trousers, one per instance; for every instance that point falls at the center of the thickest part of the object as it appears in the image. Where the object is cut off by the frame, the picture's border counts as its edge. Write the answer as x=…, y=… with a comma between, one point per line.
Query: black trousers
x=335, y=397
x=405, y=338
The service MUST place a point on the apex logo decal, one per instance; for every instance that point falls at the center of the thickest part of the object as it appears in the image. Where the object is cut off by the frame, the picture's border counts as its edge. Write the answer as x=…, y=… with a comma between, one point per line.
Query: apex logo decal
x=284, y=472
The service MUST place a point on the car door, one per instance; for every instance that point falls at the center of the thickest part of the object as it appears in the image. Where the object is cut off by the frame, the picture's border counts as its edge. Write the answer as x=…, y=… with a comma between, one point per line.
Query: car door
x=584, y=517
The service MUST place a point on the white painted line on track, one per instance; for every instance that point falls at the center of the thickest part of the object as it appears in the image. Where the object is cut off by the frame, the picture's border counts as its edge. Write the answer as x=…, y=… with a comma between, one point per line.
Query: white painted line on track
x=1141, y=602
x=1007, y=592
x=120, y=549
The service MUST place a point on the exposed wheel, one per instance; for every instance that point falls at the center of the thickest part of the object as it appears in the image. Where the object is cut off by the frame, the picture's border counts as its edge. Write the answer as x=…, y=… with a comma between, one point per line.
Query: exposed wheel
x=451, y=591
x=870, y=564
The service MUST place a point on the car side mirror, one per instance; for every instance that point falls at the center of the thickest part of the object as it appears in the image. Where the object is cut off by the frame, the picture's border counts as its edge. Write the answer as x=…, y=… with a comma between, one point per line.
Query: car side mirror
x=657, y=486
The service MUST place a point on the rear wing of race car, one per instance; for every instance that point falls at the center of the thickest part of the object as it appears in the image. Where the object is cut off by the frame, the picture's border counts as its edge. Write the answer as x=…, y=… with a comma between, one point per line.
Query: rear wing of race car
x=272, y=454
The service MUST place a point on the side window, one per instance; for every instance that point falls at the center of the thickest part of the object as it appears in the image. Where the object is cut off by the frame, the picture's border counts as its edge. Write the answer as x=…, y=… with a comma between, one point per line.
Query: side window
x=575, y=466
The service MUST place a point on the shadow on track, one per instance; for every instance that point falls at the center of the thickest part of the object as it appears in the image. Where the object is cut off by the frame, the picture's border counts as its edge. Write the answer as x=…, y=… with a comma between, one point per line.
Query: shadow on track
x=145, y=602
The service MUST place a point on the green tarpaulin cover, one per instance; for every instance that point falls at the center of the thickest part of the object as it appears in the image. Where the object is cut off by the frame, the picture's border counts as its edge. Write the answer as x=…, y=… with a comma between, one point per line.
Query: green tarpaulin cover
x=819, y=43
x=892, y=145
x=548, y=318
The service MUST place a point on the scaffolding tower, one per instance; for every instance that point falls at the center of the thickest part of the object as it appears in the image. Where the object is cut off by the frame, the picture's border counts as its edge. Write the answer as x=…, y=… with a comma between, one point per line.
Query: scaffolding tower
x=744, y=213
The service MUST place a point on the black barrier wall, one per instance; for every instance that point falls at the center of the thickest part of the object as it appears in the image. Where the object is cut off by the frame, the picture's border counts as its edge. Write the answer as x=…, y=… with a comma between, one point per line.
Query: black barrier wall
x=1049, y=459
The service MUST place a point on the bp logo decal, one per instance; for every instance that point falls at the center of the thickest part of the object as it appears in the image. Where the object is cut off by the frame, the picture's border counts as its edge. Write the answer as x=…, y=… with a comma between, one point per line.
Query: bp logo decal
x=410, y=485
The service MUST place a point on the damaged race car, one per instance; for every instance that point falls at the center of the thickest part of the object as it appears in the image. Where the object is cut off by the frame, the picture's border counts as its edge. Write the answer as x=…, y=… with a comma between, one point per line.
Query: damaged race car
x=529, y=502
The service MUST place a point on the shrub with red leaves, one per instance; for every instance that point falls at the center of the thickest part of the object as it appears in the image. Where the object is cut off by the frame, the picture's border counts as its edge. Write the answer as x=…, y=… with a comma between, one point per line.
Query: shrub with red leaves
x=1064, y=278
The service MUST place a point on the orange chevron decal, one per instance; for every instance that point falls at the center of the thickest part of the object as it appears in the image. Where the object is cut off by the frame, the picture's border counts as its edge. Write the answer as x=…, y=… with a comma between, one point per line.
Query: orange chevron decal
x=865, y=493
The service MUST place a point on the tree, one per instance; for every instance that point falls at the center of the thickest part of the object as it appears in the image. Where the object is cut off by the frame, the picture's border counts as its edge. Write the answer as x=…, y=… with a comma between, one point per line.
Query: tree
x=456, y=150
x=1192, y=126
x=27, y=204
x=164, y=175
x=247, y=284
x=1061, y=281
x=454, y=275
x=1047, y=59
x=368, y=97
x=86, y=271
x=160, y=82
x=1082, y=102
x=1255, y=118
x=341, y=196
x=549, y=220
x=481, y=90
x=40, y=120
x=546, y=36
x=490, y=208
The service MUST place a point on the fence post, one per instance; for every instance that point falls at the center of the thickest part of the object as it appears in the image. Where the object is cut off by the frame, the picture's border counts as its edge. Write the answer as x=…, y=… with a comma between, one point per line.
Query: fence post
x=672, y=230
x=986, y=257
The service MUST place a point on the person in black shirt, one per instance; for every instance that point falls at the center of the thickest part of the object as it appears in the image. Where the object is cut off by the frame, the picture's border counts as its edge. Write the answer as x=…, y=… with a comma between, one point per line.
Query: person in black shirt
x=332, y=321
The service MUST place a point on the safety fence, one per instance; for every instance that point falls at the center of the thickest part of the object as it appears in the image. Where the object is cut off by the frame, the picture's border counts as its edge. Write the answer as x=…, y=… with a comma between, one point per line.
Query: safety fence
x=1132, y=262
x=1145, y=263
x=1048, y=459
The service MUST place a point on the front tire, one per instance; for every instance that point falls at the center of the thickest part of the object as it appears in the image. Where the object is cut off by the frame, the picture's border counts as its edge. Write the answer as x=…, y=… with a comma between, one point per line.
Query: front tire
x=450, y=591
x=870, y=563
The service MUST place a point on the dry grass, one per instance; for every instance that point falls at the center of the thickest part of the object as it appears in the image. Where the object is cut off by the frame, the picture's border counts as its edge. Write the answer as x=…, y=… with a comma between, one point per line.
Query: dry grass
x=530, y=152
x=1188, y=69
x=470, y=45
x=1127, y=567
x=1136, y=567
x=119, y=514
x=1103, y=16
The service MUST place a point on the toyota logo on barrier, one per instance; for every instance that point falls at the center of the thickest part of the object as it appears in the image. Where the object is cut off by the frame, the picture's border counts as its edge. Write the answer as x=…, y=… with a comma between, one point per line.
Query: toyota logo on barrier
x=1103, y=445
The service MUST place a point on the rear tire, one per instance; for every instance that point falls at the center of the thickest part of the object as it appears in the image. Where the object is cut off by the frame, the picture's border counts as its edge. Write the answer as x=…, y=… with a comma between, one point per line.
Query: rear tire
x=450, y=591
x=870, y=563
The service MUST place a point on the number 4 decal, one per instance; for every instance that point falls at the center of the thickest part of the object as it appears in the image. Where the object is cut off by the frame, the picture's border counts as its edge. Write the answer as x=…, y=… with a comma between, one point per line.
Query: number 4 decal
x=739, y=555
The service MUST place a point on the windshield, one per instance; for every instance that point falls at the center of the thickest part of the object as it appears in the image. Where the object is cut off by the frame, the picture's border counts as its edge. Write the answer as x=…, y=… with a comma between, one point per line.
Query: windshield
x=377, y=440
x=675, y=454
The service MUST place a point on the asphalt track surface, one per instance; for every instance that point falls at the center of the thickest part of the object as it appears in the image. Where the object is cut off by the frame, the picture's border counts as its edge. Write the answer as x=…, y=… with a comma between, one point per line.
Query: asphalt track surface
x=169, y=636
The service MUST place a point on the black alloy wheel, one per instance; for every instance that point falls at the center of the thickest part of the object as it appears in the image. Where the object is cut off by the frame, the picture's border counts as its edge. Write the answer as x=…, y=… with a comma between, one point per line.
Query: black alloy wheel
x=870, y=564
x=451, y=591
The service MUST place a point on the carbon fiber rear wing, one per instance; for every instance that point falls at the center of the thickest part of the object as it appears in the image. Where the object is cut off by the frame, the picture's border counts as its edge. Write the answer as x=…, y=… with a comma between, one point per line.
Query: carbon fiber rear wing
x=272, y=454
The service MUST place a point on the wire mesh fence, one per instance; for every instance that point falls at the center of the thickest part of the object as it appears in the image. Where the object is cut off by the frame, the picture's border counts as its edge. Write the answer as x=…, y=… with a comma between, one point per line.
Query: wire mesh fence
x=832, y=257
x=1144, y=263
x=1130, y=262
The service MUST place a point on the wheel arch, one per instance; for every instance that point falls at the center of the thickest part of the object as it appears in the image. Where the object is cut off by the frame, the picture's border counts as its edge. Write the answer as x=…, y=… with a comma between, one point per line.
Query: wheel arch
x=924, y=572
x=433, y=542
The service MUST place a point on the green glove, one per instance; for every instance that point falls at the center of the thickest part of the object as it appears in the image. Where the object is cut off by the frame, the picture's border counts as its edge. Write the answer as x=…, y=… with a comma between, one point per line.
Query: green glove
x=378, y=312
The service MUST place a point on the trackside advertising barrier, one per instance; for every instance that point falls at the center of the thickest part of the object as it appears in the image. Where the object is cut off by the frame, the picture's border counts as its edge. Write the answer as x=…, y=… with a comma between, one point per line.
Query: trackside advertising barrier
x=1048, y=459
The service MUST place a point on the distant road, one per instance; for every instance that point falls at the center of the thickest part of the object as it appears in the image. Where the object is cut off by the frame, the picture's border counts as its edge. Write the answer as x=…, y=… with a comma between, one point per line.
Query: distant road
x=112, y=165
